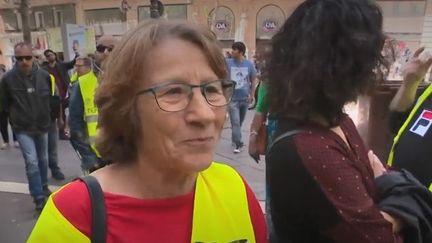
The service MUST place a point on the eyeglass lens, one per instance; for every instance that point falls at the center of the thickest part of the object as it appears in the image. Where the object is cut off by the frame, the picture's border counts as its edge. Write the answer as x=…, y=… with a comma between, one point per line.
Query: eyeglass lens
x=176, y=97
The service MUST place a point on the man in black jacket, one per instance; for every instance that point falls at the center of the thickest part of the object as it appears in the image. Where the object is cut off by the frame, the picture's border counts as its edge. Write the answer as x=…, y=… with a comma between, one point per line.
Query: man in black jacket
x=60, y=72
x=26, y=92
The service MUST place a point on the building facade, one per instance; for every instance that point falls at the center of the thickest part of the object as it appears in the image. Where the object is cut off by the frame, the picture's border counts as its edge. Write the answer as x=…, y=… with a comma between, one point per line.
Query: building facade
x=251, y=21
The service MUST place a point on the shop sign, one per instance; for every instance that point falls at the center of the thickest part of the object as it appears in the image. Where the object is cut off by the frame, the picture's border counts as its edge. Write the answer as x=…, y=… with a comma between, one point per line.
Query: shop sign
x=270, y=25
x=222, y=26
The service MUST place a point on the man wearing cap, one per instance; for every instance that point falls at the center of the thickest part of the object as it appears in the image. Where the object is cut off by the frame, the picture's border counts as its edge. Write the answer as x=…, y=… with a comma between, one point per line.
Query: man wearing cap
x=83, y=113
x=60, y=72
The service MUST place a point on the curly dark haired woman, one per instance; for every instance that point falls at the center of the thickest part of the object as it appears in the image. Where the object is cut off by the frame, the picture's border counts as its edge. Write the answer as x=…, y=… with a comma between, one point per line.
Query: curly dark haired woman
x=321, y=175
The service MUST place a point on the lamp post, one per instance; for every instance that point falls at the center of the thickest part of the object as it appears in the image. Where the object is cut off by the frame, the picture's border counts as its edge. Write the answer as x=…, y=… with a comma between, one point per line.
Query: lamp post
x=24, y=10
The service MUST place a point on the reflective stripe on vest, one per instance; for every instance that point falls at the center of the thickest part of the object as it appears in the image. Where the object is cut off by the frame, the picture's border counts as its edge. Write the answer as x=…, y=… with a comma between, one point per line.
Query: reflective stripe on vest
x=73, y=78
x=53, y=85
x=220, y=215
x=88, y=84
x=420, y=101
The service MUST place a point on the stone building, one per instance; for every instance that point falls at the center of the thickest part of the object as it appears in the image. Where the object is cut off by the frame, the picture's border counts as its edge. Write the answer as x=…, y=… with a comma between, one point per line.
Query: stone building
x=251, y=21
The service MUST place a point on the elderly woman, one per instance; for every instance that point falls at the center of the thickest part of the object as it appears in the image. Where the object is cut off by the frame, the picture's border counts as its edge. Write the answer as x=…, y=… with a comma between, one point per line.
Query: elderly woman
x=321, y=176
x=162, y=108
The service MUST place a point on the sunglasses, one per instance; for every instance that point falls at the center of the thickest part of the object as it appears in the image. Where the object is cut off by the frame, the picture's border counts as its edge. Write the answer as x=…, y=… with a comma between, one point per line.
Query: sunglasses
x=21, y=58
x=101, y=48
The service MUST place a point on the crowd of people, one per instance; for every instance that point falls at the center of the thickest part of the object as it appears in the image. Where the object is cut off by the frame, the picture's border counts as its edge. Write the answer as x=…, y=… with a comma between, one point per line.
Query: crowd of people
x=34, y=97
x=146, y=114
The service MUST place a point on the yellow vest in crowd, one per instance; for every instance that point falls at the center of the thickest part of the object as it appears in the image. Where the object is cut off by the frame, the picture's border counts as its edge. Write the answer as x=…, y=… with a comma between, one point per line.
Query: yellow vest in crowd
x=53, y=85
x=220, y=214
x=88, y=84
x=420, y=101
x=73, y=78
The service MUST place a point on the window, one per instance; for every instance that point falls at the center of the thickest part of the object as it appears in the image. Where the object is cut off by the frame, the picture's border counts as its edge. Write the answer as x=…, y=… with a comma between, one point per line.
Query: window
x=58, y=17
x=19, y=20
x=221, y=21
x=269, y=19
x=173, y=11
x=39, y=20
x=104, y=16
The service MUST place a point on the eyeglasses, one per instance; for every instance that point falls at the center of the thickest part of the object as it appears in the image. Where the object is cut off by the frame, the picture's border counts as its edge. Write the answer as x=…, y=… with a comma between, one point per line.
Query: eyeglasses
x=172, y=97
x=21, y=58
x=101, y=48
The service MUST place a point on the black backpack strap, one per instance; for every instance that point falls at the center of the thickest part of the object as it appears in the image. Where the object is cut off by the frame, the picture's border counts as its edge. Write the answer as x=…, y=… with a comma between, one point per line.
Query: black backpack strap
x=97, y=201
x=284, y=135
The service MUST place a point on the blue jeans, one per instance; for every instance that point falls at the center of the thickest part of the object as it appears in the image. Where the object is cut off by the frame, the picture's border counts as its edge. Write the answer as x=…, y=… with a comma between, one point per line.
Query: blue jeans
x=35, y=152
x=237, y=112
x=52, y=148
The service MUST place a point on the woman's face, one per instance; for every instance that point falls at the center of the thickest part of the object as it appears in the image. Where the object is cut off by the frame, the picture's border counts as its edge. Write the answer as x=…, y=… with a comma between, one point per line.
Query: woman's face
x=181, y=141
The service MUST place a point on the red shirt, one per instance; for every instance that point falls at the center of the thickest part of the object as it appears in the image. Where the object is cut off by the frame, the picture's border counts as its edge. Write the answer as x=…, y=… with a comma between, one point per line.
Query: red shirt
x=142, y=220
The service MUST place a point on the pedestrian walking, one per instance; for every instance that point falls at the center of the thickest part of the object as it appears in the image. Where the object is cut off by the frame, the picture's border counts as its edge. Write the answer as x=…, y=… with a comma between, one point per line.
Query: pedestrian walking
x=56, y=121
x=60, y=71
x=25, y=92
x=83, y=113
x=243, y=72
x=4, y=121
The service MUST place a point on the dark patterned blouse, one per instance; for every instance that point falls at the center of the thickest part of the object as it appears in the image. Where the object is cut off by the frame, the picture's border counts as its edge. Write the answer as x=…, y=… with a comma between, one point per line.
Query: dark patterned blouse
x=322, y=190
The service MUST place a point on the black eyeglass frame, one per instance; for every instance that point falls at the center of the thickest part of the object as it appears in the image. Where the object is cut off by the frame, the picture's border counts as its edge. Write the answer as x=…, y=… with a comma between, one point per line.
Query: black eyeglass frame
x=225, y=84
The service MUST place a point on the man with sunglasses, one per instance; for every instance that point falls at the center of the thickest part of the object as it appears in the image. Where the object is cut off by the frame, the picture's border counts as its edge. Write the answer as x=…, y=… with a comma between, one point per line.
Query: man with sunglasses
x=60, y=72
x=26, y=91
x=83, y=113
x=105, y=45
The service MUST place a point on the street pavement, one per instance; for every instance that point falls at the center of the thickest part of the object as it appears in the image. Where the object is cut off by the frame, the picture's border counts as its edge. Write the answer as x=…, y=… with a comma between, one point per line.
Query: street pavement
x=17, y=214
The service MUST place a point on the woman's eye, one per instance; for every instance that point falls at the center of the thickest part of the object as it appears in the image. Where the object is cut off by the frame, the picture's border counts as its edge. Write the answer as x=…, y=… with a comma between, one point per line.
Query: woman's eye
x=172, y=91
x=213, y=90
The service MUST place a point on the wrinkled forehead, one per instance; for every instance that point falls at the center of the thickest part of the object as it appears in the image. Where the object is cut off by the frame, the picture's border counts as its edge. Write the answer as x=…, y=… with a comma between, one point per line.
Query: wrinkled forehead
x=107, y=41
x=79, y=62
x=23, y=51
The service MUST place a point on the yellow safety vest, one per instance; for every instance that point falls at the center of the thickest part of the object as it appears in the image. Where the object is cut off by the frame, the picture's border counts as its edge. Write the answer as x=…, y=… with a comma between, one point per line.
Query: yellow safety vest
x=53, y=85
x=73, y=78
x=220, y=215
x=88, y=84
x=419, y=103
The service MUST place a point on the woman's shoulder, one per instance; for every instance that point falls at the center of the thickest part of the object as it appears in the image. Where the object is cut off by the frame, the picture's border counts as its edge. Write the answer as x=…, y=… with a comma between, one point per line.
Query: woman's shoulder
x=75, y=190
x=73, y=202
x=306, y=144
